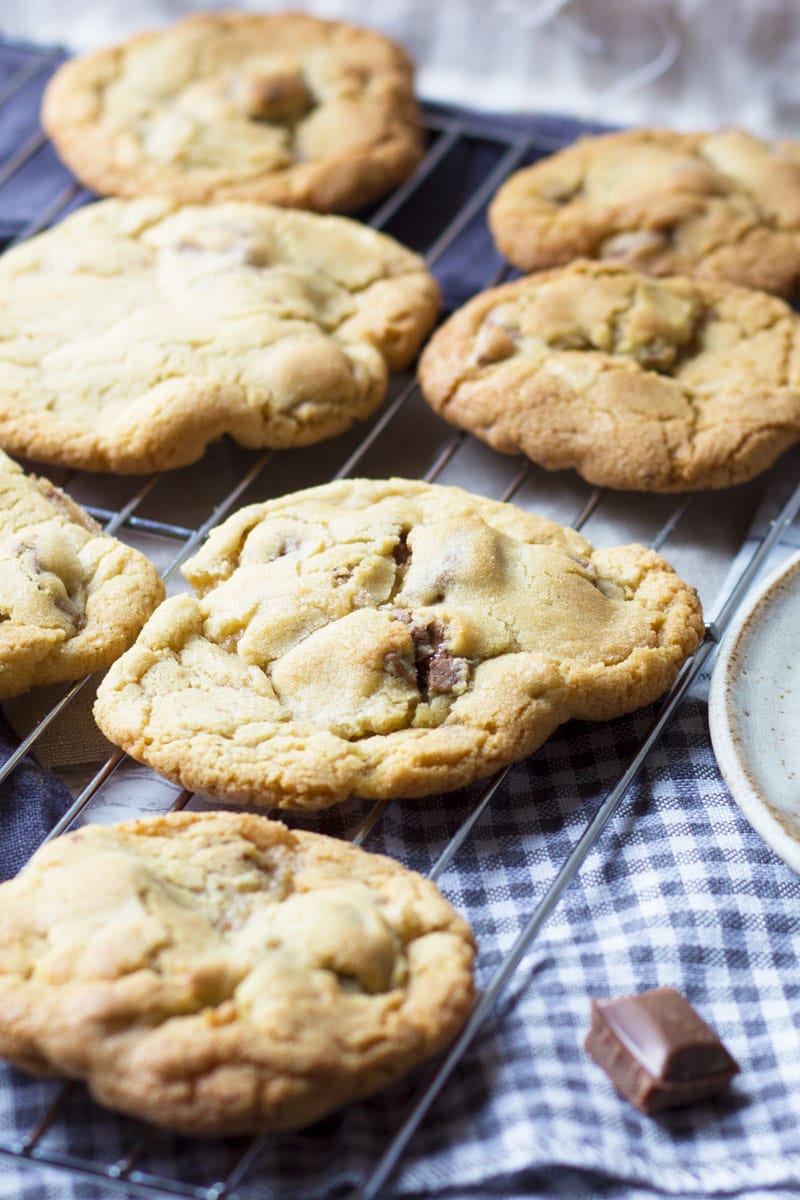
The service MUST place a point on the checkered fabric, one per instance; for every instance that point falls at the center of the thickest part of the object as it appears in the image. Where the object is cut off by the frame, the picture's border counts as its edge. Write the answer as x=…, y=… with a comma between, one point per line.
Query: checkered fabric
x=679, y=890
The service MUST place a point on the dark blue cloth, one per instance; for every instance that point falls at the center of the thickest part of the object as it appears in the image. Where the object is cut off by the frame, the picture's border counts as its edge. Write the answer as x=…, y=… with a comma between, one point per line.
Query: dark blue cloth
x=31, y=801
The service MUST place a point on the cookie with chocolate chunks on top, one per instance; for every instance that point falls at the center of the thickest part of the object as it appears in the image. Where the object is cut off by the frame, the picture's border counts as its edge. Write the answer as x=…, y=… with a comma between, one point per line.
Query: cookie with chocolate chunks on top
x=389, y=638
x=222, y=974
x=72, y=598
x=278, y=108
x=135, y=332
x=662, y=385
x=722, y=205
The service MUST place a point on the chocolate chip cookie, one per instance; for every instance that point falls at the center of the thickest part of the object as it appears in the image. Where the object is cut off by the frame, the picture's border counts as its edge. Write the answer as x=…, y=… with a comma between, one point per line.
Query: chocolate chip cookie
x=137, y=331
x=224, y=975
x=664, y=385
x=387, y=638
x=720, y=205
x=71, y=597
x=280, y=108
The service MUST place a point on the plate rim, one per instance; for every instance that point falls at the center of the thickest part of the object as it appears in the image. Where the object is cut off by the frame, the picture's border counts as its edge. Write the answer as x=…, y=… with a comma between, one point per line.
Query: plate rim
x=753, y=806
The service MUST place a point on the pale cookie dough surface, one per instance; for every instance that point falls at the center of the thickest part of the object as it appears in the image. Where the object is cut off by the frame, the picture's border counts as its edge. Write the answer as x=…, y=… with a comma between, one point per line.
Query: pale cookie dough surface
x=137, y=331
x=389, y=638
x=281, y=109
x=223, y=974
x=664, y=385
x=720, y=205
x=71, y=597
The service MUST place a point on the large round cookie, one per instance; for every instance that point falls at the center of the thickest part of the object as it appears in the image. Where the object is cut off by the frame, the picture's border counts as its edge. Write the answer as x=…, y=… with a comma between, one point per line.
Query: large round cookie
x=71, y=597
x=137, y=331
x=224, y=975
x=282, y=108
x=720, y=205
x=664, y=385
x=389, y=638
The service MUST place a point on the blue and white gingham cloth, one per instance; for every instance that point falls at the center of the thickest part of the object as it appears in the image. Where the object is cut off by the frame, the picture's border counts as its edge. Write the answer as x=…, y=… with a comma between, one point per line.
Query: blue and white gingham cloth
x=678, y=891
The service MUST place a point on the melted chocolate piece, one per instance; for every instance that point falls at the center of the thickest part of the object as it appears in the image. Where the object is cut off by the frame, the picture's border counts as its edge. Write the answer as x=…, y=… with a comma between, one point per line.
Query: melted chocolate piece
x=71, y=611
x=436, y=671
x=431, y=658
x=444, y=671
x=282, y=96
x=395, y=664
x=657, y=1051
x=402, y=552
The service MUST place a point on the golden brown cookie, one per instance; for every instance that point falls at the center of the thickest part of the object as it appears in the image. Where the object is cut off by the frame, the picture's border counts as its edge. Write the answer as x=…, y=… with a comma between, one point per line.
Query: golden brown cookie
x=223, y=974
x=282, y=108
x=71, y=597
x=720, y=205
x=389, y=638
x=664, y=385
x=137, y=331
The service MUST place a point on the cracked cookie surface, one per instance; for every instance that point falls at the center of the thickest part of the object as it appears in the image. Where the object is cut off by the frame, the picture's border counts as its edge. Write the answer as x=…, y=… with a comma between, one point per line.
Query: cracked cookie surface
x=223, y=974
x=279, y=108
x=135, y=332
x=662, y=385
x=71, y=597
x=389, y=638
x=719, y=205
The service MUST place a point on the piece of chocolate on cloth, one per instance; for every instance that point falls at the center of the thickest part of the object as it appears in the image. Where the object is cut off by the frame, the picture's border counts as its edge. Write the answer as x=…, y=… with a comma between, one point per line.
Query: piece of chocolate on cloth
x=657, y=1051
x=31, y=801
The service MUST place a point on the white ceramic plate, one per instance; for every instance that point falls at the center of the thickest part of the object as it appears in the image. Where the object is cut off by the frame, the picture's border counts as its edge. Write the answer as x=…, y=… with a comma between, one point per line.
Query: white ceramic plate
x=754, y=711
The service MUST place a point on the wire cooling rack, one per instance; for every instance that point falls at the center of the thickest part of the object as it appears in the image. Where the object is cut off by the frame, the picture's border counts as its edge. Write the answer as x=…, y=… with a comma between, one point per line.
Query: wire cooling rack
x=440, y=212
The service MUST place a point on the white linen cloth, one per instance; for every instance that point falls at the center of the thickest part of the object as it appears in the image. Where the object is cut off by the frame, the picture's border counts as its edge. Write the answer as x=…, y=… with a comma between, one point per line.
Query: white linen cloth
x=687, y=64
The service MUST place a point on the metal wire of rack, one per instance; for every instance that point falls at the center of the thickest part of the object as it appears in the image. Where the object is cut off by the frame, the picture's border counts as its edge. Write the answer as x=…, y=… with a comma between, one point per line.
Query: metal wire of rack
x=438, y=211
